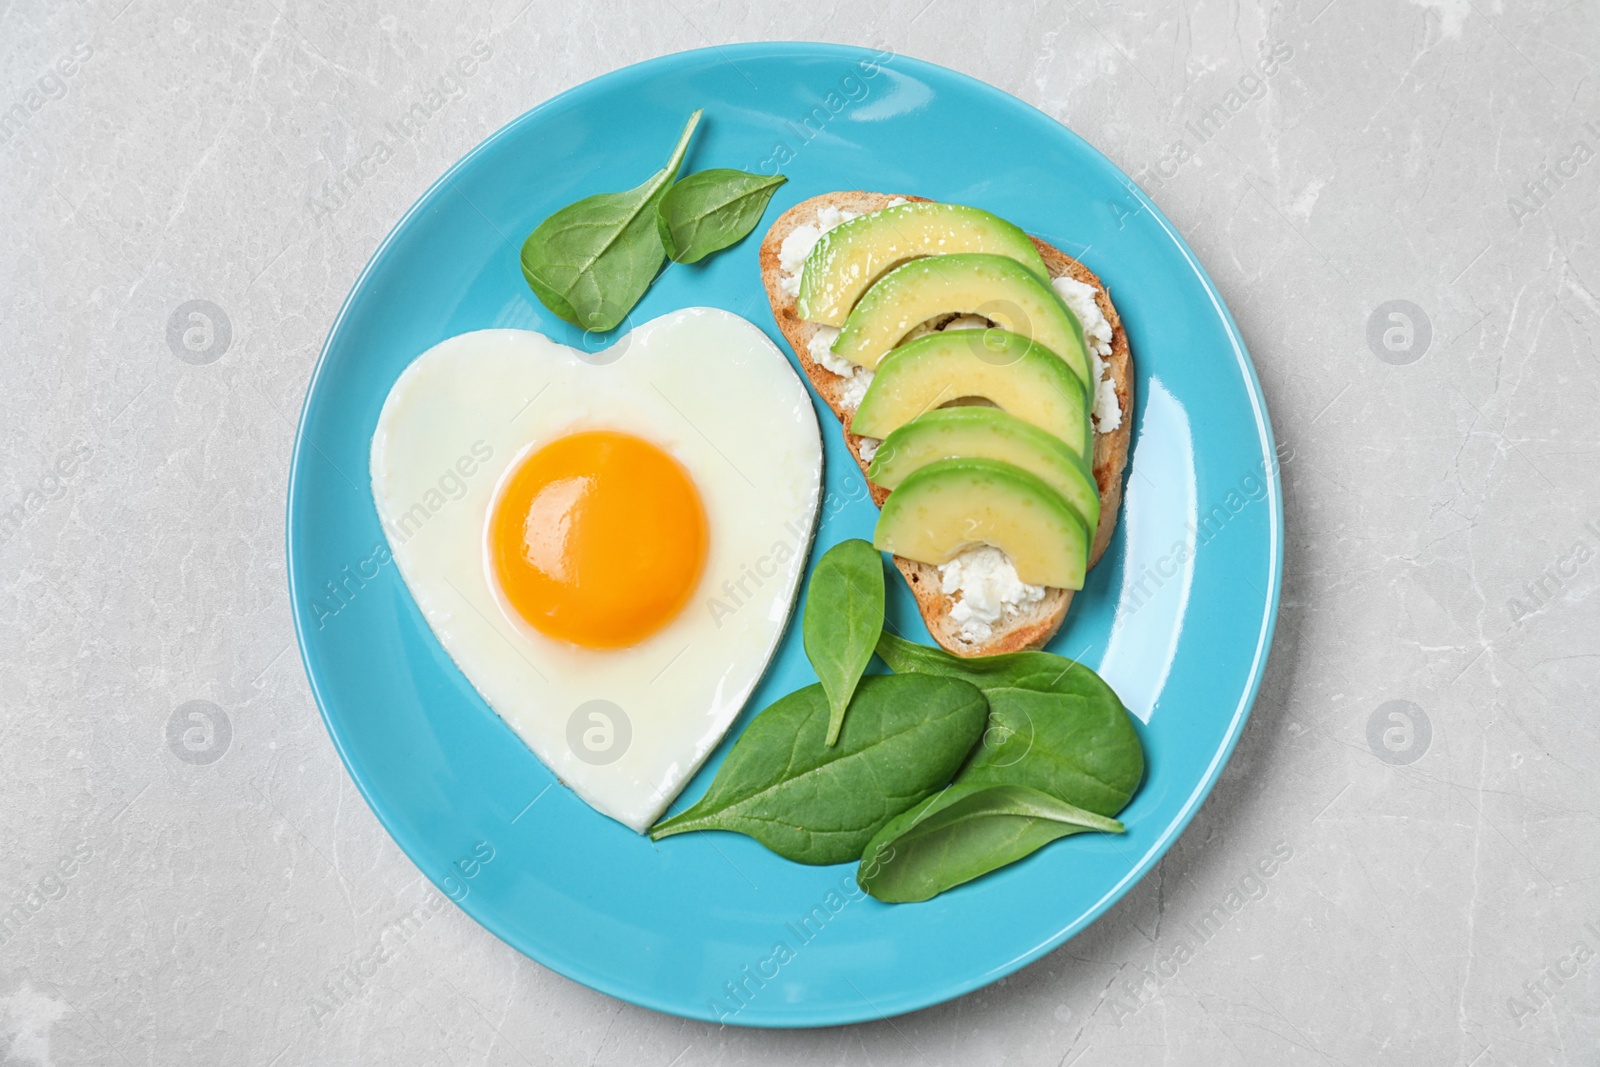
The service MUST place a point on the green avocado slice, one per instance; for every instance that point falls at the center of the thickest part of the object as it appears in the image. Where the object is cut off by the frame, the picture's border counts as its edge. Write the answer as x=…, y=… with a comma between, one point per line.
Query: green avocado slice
x=1006, y=369
x=987, y=433
x=997, y=288
x=851, y=256
x=951, y=505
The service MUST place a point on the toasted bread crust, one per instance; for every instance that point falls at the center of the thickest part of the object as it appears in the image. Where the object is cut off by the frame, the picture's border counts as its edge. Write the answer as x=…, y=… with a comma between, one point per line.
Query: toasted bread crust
x=1030, y=627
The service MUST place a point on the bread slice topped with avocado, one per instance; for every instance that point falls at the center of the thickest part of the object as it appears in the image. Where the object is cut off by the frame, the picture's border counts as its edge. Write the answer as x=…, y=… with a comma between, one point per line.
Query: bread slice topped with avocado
x=985, y=387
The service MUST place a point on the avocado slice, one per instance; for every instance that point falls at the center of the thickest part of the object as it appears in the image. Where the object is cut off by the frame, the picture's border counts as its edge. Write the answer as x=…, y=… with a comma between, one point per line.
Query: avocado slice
x=970, y=283
x=850, y=257
x=952, y=505
x=987, y=433
x=1006, y=369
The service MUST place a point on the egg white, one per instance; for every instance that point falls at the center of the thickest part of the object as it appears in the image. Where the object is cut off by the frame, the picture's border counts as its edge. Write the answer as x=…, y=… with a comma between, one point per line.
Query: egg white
x=708, y=388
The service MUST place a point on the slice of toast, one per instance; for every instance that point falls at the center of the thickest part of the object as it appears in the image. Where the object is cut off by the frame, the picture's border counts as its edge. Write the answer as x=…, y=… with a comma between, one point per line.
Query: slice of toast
x=1029, y=626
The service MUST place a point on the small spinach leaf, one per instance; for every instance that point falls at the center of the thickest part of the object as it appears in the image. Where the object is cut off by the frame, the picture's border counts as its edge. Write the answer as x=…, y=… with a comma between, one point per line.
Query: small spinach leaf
x=964, y=832
x=712, y=210
x=1054, y=724
x=843, y=618
x=591, y=261
x=811, y=803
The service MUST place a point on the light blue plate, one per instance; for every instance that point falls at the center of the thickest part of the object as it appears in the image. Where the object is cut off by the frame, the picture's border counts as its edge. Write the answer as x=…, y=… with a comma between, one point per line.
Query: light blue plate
x=1178, y=617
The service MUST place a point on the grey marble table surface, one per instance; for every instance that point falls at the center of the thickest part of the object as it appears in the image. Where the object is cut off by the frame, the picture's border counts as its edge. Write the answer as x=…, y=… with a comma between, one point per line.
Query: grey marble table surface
x=1403, y=218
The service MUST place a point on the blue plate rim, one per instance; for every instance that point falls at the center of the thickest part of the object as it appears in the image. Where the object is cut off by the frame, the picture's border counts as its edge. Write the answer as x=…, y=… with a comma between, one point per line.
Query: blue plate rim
x=574, y=969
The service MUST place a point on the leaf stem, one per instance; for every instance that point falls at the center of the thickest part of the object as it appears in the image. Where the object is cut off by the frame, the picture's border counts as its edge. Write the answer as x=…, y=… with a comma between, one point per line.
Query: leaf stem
x=683, y=144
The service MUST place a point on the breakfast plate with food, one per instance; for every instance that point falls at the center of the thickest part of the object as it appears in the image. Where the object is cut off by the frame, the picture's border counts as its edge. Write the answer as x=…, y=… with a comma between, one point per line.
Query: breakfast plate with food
x=773, y=560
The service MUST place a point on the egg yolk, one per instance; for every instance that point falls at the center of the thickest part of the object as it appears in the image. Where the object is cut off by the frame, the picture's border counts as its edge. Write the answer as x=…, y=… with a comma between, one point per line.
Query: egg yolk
x=598, y=539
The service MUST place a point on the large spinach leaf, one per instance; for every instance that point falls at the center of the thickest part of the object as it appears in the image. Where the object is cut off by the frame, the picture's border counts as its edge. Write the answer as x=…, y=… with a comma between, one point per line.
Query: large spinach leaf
x=964, y=832
x=1054, y=724
x=783, y=785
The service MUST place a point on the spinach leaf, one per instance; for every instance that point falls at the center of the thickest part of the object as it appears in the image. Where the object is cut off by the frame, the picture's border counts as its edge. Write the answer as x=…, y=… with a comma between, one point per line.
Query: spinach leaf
x=591, y=261
x=843, y=618
x=1054, y=724
x=1074, y=747
x=1043, y=669
x=811, y=803
x=711, y=210
x=964, y=832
